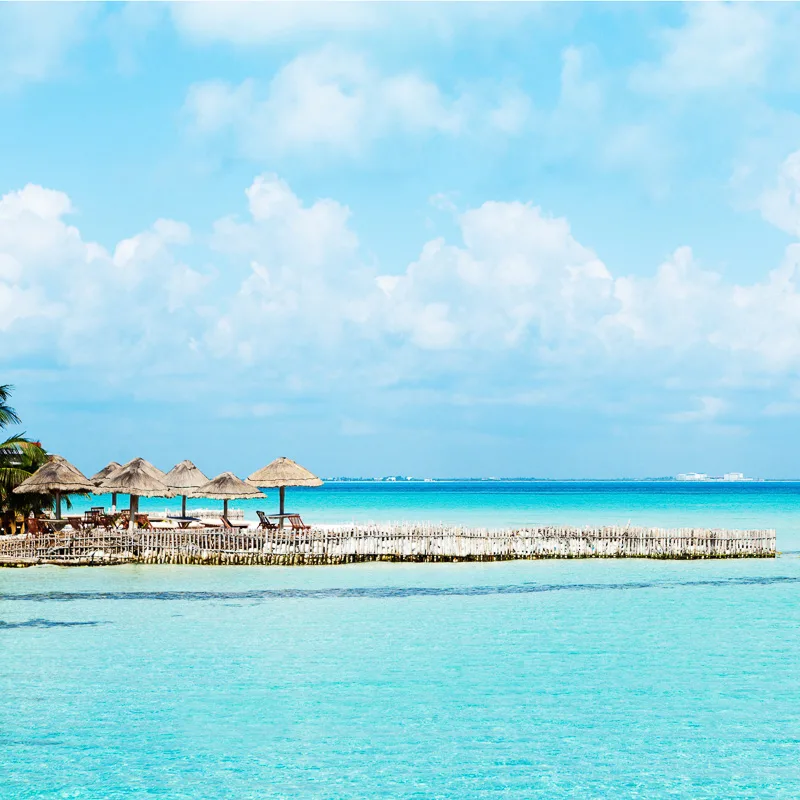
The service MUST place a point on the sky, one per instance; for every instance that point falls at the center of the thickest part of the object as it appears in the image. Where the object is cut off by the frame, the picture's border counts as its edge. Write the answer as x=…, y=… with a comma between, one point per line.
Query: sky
x=480, y=239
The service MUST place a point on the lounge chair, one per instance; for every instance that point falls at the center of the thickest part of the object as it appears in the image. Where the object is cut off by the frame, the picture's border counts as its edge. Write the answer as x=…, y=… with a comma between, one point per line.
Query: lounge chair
x=37, y=527
x=297, y=523
x=143, y=521
x=229, y=526
x=76, y=523
x=266, y=524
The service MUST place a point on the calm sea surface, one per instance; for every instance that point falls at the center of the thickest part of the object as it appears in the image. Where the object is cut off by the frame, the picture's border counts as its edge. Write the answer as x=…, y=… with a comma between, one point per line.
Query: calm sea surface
x=571, y=679
x=548, y=679
x=671, y=504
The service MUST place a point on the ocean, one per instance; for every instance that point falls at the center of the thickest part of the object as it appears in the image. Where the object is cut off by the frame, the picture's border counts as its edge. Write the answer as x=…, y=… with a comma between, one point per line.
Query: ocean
x=530, y=679
x=503, y=503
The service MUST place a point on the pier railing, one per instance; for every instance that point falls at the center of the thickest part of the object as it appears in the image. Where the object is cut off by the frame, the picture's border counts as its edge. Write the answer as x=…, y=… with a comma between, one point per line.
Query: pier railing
x=396, y=542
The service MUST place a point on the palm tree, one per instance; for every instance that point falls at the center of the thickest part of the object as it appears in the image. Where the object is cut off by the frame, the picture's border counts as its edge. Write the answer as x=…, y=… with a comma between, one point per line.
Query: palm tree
x=7, y=414
x=19, y=458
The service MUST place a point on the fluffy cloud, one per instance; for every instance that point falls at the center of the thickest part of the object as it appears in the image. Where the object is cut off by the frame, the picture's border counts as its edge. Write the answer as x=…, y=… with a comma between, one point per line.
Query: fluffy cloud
x=256, y=23
x=336, y=99
x=519, y=273
x=720, y=45
x=78, y=303
x=780, y=205
x=35, y=39
x=291, y=298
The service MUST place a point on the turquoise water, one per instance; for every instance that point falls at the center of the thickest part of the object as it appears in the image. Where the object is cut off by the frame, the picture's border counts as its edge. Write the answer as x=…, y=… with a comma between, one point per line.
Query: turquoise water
x=670, y=504
x=573, y=679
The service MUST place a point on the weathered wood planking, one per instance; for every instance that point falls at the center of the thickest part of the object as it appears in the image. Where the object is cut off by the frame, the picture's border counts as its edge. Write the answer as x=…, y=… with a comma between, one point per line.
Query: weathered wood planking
x=397, y=542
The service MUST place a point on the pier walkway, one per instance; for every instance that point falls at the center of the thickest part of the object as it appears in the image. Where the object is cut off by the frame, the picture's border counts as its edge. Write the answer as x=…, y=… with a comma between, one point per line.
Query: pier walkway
x=395, y=542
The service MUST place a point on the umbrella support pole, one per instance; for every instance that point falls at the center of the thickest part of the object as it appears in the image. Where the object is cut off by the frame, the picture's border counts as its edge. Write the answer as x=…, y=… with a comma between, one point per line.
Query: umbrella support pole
x=134, y=507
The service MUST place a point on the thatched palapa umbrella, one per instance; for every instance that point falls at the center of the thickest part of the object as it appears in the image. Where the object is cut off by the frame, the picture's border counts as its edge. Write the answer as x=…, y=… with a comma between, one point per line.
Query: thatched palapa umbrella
x=138, y=478
x=56, y=477
x=99, y=477
x=185, y=478
x=283, y=472
x=227, y=487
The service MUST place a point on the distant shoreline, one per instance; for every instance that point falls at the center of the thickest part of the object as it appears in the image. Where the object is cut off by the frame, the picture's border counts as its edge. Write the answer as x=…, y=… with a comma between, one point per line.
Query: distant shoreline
x=561, y=480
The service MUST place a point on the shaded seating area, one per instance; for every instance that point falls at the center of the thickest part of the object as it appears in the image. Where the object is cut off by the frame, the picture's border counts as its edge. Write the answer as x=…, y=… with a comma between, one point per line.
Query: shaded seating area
x=139, y=478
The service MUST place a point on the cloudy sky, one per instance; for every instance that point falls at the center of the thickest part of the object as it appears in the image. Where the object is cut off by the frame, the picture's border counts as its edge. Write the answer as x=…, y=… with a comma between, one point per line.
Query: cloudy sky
x=481, y=239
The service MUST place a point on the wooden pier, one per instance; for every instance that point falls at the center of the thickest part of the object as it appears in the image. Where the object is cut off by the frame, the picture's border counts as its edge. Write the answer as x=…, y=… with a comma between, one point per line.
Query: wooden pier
x=397, y=542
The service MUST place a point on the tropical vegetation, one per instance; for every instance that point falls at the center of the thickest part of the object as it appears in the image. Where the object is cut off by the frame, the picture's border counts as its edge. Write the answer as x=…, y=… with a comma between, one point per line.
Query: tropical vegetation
x=20, y=457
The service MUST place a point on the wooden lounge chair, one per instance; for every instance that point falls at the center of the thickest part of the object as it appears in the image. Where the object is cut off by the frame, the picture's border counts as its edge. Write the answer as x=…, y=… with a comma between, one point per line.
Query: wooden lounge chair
x=143, y=522
x=76, y=523
x=229, y=526
x=37, y=527
x=106, y=521
x=266, y=524
x=297, y=523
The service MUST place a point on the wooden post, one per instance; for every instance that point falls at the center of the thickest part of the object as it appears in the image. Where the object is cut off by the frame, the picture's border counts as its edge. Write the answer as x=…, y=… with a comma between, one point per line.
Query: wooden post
x=58, y=503
x=134, y=506
x=183, y=505
x=225, y=507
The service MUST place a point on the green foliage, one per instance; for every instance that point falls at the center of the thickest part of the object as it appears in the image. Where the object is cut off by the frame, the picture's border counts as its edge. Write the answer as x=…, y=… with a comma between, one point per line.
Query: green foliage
x=19, y=458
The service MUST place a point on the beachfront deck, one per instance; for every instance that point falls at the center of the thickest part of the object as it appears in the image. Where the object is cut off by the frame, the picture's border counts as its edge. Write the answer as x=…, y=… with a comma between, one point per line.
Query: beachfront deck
x=399, y=542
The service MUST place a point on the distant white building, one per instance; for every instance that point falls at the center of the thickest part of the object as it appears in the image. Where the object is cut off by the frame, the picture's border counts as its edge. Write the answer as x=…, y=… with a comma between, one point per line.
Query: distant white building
x=692, y=476
x=735, y=476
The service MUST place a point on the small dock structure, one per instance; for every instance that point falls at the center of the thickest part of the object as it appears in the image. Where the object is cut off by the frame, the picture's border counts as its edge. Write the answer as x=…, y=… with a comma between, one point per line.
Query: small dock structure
x=411, y=542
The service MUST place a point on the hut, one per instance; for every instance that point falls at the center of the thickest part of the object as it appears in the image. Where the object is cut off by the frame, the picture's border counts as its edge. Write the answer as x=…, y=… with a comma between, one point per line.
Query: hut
x=56, y=477
x=99, y=477
x=184, y=478
x=283, y=472
x=137, y=478
x=227, y=487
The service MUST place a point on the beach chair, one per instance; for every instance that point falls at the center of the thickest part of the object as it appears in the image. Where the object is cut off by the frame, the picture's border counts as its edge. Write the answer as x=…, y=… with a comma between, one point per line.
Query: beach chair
x=266, y=524
x=229, y=526
x=106, y=521
x=143, y=522
x=297, y=523
x=37, y=527
x=76, y=523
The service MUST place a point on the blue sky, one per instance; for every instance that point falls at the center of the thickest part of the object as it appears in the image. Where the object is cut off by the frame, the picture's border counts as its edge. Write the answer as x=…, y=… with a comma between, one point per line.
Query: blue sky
x=557, y=240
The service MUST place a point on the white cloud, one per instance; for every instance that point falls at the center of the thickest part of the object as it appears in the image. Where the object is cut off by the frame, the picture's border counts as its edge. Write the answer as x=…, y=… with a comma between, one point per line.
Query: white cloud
x=710, y=408
x=84, y=304
x=335, y=99
x=252, y=24
x=520, y=272
x=721, y=45
x=518, y=304
x=781, y=204
x=35, y=38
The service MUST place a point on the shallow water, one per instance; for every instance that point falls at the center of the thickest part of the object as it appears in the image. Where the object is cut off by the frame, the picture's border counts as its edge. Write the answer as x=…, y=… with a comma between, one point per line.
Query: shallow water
x=571, y=679
x=498, y=503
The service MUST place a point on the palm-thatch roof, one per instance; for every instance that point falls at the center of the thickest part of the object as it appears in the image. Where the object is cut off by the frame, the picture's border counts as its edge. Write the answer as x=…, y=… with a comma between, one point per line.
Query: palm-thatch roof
x=152, y=468
x=283, y=472
x=57, y=475
x=185, y=477
x=137, y=477
x=99, y=477
x=227, y=487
